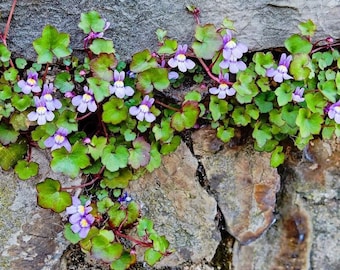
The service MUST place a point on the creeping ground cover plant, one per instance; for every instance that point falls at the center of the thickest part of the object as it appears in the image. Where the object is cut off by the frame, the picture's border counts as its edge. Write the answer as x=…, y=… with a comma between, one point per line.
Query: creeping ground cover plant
x=111, y=122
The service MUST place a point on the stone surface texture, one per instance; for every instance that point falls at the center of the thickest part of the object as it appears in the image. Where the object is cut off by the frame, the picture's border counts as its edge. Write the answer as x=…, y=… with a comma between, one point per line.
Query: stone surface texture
x=245, y=189
x=180, y=208
x=260, y=24
x=31, y=237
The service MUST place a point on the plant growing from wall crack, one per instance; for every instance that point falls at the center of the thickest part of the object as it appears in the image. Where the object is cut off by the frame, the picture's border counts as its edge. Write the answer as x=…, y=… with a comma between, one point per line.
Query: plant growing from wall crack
x=110, y=121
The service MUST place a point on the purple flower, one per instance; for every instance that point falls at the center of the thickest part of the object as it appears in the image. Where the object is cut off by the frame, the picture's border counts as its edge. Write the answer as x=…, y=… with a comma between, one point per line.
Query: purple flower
x=181, y=60
x=124, y=198
x=31, y=84
x=58, y=140
x=51, y=103
x=143, y=110
x=93, y=35
x=334, y=112
x=223, y=89
x=231, y=49
x=233, y=64
x=80, y=218
x=298, y=94
x=281, y=73
x=42, y=114
x=118, y=87
x=85, y=101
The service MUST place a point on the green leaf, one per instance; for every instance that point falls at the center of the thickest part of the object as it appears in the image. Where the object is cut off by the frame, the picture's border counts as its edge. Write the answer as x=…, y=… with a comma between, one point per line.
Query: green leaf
x=245, y=87
x=99, y=87
x=7, y=134
x=263, y=61
x=153, y=78
x=163, y=132
x=50, y=196
x=208, y=41
x=228, y=24
x=5, y=91
x=329, y=90
x=63, y=82
x=118, y=179
x=51, y=43
x=225, y=134
x=261, y=133
x=297, y=44
x=101, y=45
x=140, y=153
x=11, y=154
x=21, y=103
x=144, y=227
x=240, y=117
x=218, y=108
x=187, y=117
x=142, y=61
x=307, y=28
x=155, y=158
x=91, y=21
x=308, y=122
x=5, y=54
x=284, y=94
x=160, y=243
x=169, y=47
x=161, y=34
x=114, y=111
x=20, y=63
x=25, y=169
x=323, y=59
x=151, y=256
x=19, y=121
x=252, y=111
x=289, y=114
x=96, y=147
x=300, y=67
x=103, y=65
x=171, y=146
x=115, y=158
x=277, y=157
x=265, y=101
x=11, y=74
x=70, y=163
x=103, y=249
x=124, y=262
x=68, y=120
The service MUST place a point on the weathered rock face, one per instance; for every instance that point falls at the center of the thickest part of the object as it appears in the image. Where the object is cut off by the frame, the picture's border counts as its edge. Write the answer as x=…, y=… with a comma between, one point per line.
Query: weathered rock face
x=31, y=237
x=260, y=24
x=180, y=208
x=244, y=183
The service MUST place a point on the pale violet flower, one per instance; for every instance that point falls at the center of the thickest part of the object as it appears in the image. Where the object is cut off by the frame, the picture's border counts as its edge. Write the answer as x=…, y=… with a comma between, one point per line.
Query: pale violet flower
x=334, y=112
x=31, y=84
x=42, y=114
x=233, y=64
x=118, y=88
x=58, y=140
x=93, y=35
x=223, y=89
x=85, y=101
x=51, y=102
x=80, y=217
x=231, y=48
x=297, y=95
x=143, y=110
x=180, y=60
x=281, y=73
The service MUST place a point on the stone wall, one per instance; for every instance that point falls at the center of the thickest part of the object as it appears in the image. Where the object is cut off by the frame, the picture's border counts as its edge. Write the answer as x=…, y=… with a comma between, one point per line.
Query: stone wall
x=260, y=24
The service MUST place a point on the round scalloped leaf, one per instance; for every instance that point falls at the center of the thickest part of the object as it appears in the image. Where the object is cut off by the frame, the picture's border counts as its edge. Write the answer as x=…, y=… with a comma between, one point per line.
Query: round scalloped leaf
x=139, y=155
x=218, y=107
x=155, y=158
x=225, y=134
x=19, y=121
x=145, y=227
x=171, y=146
x=284, y=94
x=277, y=157
x=5, y=91
x=308, y=122
x=50, y=196
x=307, y=28
x=63, y=82
x=74, y=238
x=51, y=43
x=101, y=45
x=118, y=179
x=261, y=133
x=297, y=44
x=68, y=120
x=103, y=65
x=163, y=132
x=114, y=111
x=70, y=163
x=263, y=61
x=316, y=102
x=115, y=158
x=25, y=169
x=151, y=256
x=169, y=47
x=91, y=21
x=20, y=63
x=99, y=87
x=160, y=243
x=11, y=154
x=153, y=78
x=7, y=134
x=104, y=249
x=21, y=103
x=265, y=101
x=142, y=61
x=187, y=117
x=11, y=74
x=124, y=262
x=96, y=147
x=208, y=41
x=5, y=54
x=300, y=67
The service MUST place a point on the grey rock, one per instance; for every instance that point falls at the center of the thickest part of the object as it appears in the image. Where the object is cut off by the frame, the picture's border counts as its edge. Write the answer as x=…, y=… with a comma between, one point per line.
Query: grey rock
x=244, y=183
x=260, y=24
x=180, y=208
x=31, y=237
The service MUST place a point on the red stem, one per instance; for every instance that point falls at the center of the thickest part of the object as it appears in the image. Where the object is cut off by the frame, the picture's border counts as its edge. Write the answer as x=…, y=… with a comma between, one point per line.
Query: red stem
x=167, y=106
x=8, y=24
x=132, y=239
